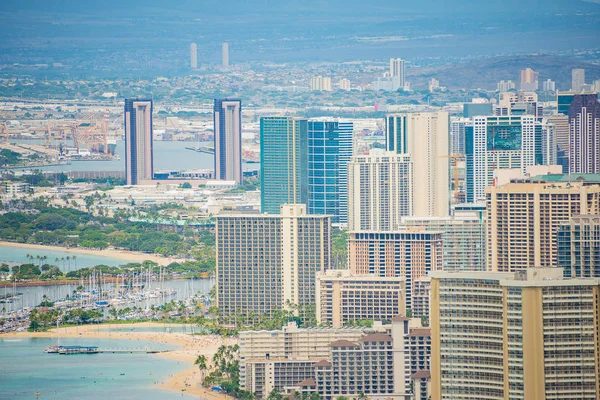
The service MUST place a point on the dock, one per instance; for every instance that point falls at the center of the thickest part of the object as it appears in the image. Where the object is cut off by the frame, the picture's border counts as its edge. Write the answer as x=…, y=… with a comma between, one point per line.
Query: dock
x=70, y=350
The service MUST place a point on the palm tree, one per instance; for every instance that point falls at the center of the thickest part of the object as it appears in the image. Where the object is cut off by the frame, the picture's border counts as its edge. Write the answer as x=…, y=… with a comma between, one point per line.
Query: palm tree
x=201, y=363
x=74, y=258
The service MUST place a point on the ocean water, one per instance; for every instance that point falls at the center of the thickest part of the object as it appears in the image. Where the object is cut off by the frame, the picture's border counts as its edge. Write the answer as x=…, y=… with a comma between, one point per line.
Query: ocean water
x=19, y=255
x=168, y=155
x=26, y=370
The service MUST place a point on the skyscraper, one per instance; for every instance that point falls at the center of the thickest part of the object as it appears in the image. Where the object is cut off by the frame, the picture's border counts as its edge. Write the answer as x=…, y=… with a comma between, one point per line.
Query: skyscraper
x=523, y=219
x=193, y=56
x=265, y=261
x=499, y=142
x=228, y=139
x=524, y=335
x=380, y=190
x=329, y=150
x=397, y=70
x=577, y=79
x=283, y=162
x=584, y=137
x=425, y=137
x=225, y=54
x=138, y=141
x=529, y=79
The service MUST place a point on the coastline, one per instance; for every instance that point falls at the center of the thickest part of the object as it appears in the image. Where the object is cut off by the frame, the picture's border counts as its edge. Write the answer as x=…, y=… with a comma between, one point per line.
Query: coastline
x=129, y=256
x=188, y=348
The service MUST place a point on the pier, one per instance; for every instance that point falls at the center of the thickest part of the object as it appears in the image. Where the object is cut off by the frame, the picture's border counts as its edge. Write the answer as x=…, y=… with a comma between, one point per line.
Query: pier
x=70, y=350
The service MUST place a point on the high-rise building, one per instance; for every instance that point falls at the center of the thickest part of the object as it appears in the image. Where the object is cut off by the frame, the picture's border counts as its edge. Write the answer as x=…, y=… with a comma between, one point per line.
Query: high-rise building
x=524, y=335
x=560, y=130
x=584, y=138
x=563, y=100
x=578, y=242
x=344, y=84
x=344, y=298
x=549, y=85
x=505, y=86
x=577, y=79
x=425, y=137
x=380, y=190
x=523, y=219
x=397, y=68
x=283, y=162
x=228, y=139
x=529, y=79
x=457, y=133
x=320, y=84
x=265, y=261
x=193, y=56
x=499, y=142
x=519, y=103
x=329, y=151
x=410, y=254
x=225, y=54
x=139, y=160
x=463, y=237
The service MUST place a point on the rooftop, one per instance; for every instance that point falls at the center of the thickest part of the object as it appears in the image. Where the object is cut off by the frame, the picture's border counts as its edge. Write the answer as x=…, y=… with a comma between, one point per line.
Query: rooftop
x=421, y=374
x=343, y=343
x=323, y=363
x=308, y=382
x=376, y=337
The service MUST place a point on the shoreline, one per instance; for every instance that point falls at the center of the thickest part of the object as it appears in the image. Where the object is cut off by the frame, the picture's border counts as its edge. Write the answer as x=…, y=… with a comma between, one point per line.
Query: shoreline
x=125, y=255
x=188, y=348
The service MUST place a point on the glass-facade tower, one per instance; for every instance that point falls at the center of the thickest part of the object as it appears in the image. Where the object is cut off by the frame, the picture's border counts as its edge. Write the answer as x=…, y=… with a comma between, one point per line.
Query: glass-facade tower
x=283, y=162
x=329, y=151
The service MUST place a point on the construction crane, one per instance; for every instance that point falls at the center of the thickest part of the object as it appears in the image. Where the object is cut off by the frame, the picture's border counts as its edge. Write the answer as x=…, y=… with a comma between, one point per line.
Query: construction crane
x=456, y=157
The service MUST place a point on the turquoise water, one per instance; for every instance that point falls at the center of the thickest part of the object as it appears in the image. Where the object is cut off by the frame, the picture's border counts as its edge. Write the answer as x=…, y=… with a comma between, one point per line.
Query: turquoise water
x=19, y=255
x=25, y=370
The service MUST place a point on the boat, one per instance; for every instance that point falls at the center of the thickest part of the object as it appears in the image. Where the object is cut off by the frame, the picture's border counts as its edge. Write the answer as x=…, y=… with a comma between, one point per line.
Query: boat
x=52, y=349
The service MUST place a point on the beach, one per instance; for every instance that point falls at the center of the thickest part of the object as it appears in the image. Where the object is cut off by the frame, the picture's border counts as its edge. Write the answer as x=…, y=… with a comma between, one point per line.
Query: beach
x=127, y=256
x=185, y=350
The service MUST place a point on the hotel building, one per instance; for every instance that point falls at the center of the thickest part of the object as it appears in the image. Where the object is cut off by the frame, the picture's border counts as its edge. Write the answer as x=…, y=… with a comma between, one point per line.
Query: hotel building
x=380, y=191
x=410, y=254
x=265, y=261
x=524, y=335
x=425, y=137
x=524, y=218
x=343, y=297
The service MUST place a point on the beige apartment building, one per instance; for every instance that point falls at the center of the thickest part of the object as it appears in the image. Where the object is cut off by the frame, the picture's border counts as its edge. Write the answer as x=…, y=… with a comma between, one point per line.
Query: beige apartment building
x=523, y=220
x=515, y=335
x=266, y=261
x=380, y=190
x=425, y=137
x=411, y=254
x=343, y=297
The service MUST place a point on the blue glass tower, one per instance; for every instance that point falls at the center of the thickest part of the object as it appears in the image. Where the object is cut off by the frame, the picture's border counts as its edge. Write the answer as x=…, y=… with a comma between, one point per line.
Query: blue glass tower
x=329, y=151
x=283, y=162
